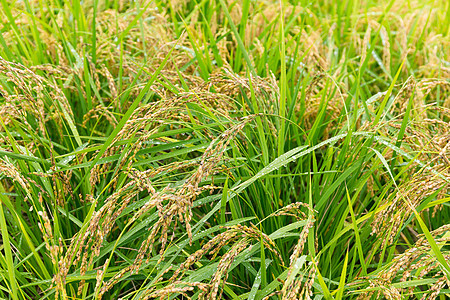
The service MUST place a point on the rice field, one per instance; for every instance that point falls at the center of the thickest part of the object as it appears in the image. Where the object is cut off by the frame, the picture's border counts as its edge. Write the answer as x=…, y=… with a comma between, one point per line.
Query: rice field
x=220, y=149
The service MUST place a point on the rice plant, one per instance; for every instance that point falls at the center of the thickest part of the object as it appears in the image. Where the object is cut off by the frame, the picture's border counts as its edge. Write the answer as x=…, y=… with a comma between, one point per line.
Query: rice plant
x=225, y=149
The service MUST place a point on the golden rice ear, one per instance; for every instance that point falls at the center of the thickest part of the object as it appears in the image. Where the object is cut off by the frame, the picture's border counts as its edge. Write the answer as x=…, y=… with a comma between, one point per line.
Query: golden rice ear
x=9, y=170
x=33, y=94
x=429, y=173
x=416, y=262
x=175, y=288
x=174, y=205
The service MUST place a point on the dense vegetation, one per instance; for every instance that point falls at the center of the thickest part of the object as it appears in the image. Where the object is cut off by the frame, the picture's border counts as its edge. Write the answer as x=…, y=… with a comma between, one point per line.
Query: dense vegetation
x=224, y=149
